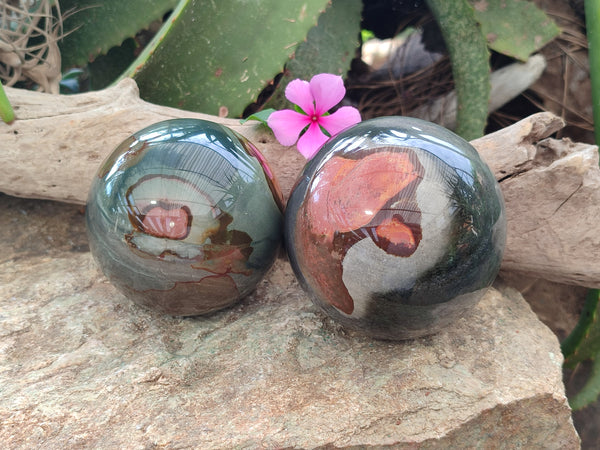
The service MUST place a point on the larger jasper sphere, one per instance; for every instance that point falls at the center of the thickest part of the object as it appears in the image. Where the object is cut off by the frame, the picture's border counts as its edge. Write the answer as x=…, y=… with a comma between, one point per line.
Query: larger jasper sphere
x=184, y=217
x=396, y=227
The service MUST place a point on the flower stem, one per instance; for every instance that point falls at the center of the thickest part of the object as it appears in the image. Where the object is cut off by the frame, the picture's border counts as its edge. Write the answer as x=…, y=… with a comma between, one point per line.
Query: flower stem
x=6, y=112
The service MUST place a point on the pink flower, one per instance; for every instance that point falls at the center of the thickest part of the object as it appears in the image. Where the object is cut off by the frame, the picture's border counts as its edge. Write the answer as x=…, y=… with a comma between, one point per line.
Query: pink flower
x=315, y=98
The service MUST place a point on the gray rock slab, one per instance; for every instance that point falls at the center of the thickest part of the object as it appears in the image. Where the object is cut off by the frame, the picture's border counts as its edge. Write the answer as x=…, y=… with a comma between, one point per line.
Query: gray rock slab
x=82, y=367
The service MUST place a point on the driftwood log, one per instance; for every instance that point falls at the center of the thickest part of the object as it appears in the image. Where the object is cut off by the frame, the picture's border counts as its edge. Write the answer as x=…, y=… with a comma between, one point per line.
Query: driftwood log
x=551, y=187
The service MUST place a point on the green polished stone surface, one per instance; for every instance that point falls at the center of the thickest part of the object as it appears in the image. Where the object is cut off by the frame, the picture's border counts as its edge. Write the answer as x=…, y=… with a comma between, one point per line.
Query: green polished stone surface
x=185, y=217
x=396, y=227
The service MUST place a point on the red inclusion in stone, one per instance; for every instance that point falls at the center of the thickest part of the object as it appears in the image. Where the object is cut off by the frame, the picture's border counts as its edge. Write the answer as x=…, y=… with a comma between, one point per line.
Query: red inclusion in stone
x=346, y=203
x=166, y=223
x=351, y=192
x=396, y=237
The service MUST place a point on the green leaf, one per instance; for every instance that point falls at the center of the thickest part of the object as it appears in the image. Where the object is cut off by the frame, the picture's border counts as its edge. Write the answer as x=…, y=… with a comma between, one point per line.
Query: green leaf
x=591, y=389
x=216, y=57
x=584, y=341
x=514, y=27
x=297, y=107
x=470, y=64
x=329, y=47
x=365, y=35
x=261, y=116
x=6, y=111
x=92, y=27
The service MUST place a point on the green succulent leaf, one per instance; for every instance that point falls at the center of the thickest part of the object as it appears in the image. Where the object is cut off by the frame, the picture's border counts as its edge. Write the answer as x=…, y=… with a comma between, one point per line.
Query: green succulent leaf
x=470, y=63
x=329, y=47
x=92, y=27
x=261, y=116
x=515, y=28
x=7, y=114
x=216, y=57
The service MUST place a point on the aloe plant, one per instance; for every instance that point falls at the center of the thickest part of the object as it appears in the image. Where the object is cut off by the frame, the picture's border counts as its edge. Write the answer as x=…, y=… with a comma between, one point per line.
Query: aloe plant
x=514, y=28
x=216, y=58
x=328, y=47
x=92, y=28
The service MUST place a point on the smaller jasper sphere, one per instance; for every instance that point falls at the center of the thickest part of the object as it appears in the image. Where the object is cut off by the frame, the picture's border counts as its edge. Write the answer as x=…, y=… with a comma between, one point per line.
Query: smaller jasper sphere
x=184, y=217
x=396, y=227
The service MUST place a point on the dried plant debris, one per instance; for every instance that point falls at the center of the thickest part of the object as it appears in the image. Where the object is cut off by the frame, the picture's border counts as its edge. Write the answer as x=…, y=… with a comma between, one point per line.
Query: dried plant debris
x=408, y=76
x=565, y=87
x=29, y=31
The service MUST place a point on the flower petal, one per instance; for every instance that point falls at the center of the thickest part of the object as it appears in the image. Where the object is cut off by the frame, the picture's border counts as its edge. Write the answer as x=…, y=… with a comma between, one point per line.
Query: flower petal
x=287, y=125
x=343, y=118
x=311, y=141
x=298, y=92
x=327, y=90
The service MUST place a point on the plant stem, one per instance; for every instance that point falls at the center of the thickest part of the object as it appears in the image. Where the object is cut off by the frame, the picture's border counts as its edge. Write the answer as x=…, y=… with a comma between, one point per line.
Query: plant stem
x=470, y=63
x=6, y=112
x=573, y=341
x=574, y=346
x=589, y=392
x=592, y=21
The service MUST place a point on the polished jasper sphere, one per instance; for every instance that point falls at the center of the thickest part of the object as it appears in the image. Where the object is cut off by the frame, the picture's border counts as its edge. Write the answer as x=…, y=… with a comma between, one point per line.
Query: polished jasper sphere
x=396, y=227
x=184, y=217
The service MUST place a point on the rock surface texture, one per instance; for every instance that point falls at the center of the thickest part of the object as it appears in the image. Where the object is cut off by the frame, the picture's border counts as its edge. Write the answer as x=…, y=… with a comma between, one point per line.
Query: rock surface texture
x=82, y=367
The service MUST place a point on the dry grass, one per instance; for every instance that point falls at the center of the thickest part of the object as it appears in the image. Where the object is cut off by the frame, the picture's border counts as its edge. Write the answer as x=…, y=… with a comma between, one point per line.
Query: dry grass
x=565, y=87
x=400, y=96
